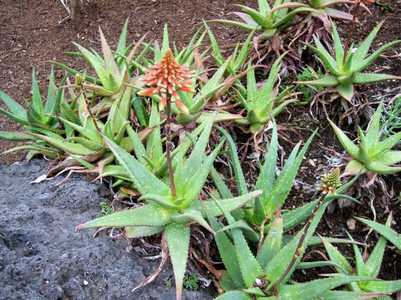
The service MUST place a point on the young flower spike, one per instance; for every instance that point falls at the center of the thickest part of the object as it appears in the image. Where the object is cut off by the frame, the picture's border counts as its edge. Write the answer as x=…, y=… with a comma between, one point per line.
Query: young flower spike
x=166, y=79
x=330, y=182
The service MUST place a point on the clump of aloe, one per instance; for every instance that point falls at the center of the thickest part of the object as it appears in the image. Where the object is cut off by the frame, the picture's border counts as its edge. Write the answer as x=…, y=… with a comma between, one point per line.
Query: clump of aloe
x=344, y=68
x=373, y=153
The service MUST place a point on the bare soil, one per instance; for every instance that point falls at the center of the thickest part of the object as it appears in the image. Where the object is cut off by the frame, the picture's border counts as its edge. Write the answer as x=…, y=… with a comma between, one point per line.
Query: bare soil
x=30, y=35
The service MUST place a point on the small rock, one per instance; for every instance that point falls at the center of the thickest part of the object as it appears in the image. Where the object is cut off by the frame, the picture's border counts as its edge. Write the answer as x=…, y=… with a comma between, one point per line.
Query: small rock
x=351, y=224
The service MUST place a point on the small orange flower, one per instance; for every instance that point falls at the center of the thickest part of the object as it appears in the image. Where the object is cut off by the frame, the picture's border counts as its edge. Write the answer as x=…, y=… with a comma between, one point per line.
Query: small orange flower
x=166, y=79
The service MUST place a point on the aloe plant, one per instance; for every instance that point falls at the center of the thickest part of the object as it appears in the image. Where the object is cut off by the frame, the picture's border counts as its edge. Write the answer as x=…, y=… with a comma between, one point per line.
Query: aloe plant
x=204, y=92
x=85, y=131
x=237, y=59
x=369, y=266
x=265, y=103
x=152, y=54
x=275, y=188
x=345, y=68
x=112, y=70
x=372, y=154
x=150, y=154
x=163, y=213
x=204, y=89
x=267, y=19
x=325, y=9
x=147, y=146
x=266, y=275
x=40, y=118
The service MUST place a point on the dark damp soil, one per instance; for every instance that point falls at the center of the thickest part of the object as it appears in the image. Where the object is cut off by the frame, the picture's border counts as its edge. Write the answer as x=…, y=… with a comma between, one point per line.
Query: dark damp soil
x=42, y=257
x=30, y=36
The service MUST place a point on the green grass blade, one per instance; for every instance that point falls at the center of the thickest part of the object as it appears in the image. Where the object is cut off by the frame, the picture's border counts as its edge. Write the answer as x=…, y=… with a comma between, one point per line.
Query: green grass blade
x=13, y=106
x=53, y=96
x=277, y=267
x=195, y=184
x=345, y=295
x=373, y=131
x=256, y=16
x=109, y=62
x=243, y=53
x=296, y=216
x=139, y=148
x=249, y=266
x=68, y=147
x=374, y=262
x=198, y=153
x=133, y=232
x=264, y=7
x=273, y=76
x=208, y=89
x=241, y=25
x=98, y=65
x=139, y=111
x=384, y=286
x=166, y=41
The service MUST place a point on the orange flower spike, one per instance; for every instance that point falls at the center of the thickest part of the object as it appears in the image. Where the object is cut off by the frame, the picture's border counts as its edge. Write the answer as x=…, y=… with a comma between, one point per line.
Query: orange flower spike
x=166, y=79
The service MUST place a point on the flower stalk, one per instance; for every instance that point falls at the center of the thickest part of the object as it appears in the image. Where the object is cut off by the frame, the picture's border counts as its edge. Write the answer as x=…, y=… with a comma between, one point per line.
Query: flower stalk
x=169, y=148
x=166, y=79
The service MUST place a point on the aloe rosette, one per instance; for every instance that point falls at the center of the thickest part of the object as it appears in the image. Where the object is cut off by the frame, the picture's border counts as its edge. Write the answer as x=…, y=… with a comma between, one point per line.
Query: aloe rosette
x=163, y=213
x=345, y=68
x=372, y=154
